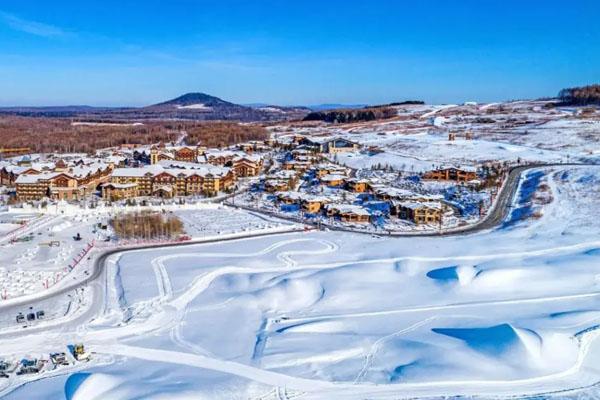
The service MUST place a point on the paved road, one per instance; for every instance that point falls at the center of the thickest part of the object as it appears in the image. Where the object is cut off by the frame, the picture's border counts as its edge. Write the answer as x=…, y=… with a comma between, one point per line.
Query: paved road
x=495, y=216
x=498, y=213
x=98, y=271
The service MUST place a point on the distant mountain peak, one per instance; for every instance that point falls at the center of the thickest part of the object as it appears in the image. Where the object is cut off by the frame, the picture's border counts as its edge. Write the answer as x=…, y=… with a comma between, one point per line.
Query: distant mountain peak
x=194, y=98
x=191, y=106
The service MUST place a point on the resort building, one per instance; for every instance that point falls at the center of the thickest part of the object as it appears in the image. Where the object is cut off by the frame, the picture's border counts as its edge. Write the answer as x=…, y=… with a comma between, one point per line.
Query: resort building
x=462, y=174
x=419, y=213
x=158, y=181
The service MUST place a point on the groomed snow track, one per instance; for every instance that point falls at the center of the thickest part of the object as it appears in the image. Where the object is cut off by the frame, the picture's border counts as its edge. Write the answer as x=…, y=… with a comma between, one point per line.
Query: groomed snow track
x=580, y=375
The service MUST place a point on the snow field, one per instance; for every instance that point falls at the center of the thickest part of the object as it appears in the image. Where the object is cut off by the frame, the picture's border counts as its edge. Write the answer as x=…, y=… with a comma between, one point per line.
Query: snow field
x=339, y=315
x=223, y=220
x=339, y=309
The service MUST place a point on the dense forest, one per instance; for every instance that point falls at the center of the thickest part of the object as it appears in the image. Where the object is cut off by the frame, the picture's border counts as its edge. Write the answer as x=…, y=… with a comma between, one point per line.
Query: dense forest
x=45, y=135
x=352, y=115
x=222, y=134
x=580, y=96
x=60, y=135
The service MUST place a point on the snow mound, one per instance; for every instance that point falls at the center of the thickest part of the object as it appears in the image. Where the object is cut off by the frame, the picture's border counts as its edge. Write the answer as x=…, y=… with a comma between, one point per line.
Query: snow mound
x=461, y=274
x=100, y=386
x=289, y=295
x=86, y=386
x=496, y=340
x=504, y=279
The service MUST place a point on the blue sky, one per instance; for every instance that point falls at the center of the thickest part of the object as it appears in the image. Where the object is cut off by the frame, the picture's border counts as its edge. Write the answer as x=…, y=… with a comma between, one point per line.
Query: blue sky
x=294, y=52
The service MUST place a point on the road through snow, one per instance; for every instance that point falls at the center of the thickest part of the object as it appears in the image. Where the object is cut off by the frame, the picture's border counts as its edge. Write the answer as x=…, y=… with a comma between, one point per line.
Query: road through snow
x=172, y=306
x=573, y=377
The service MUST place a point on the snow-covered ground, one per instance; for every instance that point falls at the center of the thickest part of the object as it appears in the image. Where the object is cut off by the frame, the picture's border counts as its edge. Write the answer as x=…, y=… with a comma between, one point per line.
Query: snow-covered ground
x=421, y=152
x=38, y=255
x=323, y=315
x=256, y=313
x=223, y=220
x=418, y=138
x=198, y=106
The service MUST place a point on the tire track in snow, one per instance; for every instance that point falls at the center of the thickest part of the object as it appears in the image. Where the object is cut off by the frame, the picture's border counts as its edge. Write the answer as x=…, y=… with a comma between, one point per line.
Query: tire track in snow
x=443, y=307
x=319, y=389
x=377, y=346
x=163, y=282
x=201, y=283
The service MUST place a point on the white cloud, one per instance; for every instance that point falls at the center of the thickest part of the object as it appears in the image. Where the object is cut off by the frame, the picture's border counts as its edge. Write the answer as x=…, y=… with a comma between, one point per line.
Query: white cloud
x=31, y=27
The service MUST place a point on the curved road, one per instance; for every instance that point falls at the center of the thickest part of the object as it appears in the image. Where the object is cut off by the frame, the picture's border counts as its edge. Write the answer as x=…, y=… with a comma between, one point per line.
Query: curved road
x=493, y=218
x=496, y=215
x=93, y=280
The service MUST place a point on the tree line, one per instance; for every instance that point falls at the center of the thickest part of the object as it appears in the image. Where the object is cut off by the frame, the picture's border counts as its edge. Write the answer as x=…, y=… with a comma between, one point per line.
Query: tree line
x=222, y=134
x=580, y=96
x=46, y=135
x=59, y=135
x=342, y=116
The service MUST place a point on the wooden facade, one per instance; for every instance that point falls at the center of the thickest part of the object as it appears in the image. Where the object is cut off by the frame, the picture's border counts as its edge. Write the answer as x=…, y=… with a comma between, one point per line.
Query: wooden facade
x=173, y=182
x=451, y=174
x=419, y=213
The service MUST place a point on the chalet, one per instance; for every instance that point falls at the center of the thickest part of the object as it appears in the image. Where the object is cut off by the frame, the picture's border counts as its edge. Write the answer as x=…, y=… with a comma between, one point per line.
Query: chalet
x=296, y=165
x=419, y=213
x=329, y=169
x=10, y=172
x=387, y=193
x=247, y=165
x=460, y=174
x=313, y=204
x=119, y=191
x=221, y=157
x=334, y=180
x=188, y=154
x=116, y=160
x=156, y=153
x=340, y=145
x=357, y=185
x=348, y=213
x=289, y=198
x=313, y=144
x=303, y=154
x=254, y=146
x=276, y=185
x=246, y=147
